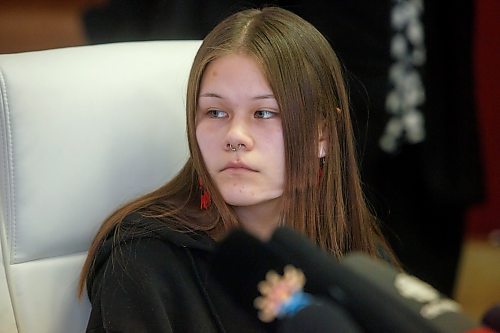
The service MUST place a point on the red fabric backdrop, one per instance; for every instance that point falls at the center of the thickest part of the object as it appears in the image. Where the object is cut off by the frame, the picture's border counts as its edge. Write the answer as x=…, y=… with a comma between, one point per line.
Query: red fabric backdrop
x=485, y=217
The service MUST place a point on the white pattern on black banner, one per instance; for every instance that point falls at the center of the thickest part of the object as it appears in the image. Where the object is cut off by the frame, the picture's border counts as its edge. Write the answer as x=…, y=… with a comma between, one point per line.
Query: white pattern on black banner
x=407, y=94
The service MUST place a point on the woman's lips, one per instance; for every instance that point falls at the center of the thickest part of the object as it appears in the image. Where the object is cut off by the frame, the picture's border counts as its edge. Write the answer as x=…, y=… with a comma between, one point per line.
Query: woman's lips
x=237, y=165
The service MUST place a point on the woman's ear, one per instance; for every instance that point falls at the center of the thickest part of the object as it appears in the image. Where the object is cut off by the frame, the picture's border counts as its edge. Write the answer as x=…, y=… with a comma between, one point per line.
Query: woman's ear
x=322, y=140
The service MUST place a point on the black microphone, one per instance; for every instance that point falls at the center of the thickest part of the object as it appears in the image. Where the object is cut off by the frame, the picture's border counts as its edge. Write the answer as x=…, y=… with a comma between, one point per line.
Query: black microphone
x=319, y=318
x=378, y=297
x=242, y=263
x=491, y=318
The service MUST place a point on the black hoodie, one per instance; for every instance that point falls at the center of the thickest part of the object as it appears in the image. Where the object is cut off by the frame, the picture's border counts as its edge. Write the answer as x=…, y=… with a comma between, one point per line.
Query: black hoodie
x=151, y=278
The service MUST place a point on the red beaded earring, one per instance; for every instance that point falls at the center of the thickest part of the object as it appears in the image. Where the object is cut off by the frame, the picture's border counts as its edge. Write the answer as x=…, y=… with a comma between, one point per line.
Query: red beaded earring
x=205, y=199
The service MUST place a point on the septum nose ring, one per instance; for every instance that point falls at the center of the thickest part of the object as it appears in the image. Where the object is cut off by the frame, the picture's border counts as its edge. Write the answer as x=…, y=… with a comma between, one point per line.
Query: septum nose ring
x=233, y=148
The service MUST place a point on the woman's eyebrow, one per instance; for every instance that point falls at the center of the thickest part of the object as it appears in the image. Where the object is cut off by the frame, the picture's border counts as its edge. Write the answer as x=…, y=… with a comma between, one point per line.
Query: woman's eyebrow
x=268, y=96
x=211, y=95
x=214, y=95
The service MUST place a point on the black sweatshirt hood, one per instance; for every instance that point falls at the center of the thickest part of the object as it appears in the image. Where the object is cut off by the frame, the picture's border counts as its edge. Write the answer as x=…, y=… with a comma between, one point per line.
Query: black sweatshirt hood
x=135, y=226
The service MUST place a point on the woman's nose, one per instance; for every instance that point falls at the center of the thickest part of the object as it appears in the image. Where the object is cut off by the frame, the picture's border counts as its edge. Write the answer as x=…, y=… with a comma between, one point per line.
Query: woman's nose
x=239, y=136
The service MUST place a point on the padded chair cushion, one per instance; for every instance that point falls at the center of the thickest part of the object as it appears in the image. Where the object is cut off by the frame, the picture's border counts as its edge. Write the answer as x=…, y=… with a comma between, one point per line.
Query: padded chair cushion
x=83, y=130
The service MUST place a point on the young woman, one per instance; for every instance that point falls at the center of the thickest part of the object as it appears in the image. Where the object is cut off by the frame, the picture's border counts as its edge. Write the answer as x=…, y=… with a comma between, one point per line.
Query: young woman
x=271, y=144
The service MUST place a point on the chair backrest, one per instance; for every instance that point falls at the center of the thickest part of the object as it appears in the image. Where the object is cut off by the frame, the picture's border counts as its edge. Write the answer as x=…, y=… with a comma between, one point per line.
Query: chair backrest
x=82, y=131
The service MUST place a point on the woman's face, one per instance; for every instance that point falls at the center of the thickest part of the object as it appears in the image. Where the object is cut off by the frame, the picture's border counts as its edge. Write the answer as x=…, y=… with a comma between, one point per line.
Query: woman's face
x=239, y=132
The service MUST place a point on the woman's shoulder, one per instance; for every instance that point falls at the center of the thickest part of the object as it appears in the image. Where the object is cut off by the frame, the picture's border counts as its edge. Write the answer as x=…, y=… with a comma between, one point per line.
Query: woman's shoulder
x=145, y=244
x=142, y=262
x=137, y=226
x=137, y=235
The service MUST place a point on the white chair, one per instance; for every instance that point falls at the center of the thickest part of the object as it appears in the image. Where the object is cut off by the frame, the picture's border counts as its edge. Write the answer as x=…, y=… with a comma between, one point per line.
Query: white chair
x=82, y=131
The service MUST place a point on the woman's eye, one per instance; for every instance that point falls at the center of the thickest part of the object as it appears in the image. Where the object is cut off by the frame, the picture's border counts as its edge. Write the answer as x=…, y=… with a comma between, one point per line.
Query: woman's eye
x=216, y=114
x=265, y=114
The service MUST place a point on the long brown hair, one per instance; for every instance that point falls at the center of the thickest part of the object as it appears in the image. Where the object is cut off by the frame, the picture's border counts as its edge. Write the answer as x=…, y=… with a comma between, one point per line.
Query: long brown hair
x=306, y=78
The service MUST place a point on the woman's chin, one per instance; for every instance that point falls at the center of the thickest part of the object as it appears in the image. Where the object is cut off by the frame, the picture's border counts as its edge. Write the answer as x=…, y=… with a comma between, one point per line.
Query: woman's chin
x=242, y=199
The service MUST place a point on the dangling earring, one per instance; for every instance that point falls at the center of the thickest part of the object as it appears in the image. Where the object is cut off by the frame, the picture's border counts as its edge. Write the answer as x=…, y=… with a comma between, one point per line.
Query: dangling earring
x=205, y=199
x=322, y=154
x=321, y=167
